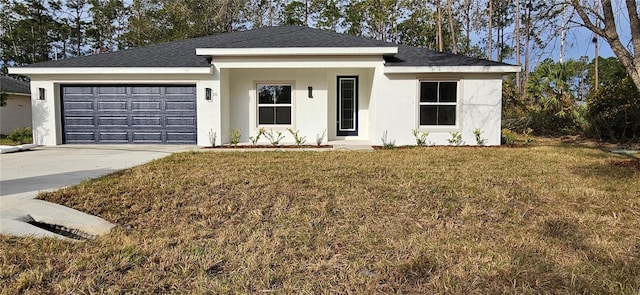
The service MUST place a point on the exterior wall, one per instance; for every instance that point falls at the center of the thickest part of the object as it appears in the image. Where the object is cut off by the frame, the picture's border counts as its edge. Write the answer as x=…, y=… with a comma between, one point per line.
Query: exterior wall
x=396, y=108
x=387, y=102
x=309, y=115
x=16, y=114
x=365, y=83
x=46, y=114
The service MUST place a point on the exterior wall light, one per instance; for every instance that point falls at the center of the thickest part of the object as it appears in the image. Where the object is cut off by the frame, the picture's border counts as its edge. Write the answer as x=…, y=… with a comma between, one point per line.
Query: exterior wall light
x=41, y=93
x=207, y=93
x=310, y=90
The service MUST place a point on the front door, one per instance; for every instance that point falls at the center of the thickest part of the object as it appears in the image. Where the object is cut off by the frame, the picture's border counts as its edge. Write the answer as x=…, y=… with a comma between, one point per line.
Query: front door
x=347, y=106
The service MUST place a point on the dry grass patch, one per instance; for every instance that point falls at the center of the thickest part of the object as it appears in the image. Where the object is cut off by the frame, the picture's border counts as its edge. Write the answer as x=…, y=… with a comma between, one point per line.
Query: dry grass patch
x=548, y=219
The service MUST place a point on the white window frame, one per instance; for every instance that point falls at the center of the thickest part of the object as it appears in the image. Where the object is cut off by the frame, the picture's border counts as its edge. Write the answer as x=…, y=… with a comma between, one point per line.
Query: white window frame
x=457, y=104
x=258, y=104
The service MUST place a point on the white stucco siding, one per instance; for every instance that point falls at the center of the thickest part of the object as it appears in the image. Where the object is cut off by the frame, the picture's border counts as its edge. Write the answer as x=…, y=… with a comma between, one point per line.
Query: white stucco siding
x=309, y=115
x=397, y=112
x=16, y=114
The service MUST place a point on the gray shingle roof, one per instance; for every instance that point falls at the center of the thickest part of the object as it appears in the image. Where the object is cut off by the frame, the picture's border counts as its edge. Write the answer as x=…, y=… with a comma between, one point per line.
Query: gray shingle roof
x=11, y=85
x=182, y=53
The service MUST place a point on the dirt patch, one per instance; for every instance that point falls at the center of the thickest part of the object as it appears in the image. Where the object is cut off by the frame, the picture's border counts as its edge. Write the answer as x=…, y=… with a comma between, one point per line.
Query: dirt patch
x=635, y=163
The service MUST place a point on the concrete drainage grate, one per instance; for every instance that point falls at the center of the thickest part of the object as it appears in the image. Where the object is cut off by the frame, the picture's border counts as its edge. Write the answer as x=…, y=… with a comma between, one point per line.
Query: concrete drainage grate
x=60, y=230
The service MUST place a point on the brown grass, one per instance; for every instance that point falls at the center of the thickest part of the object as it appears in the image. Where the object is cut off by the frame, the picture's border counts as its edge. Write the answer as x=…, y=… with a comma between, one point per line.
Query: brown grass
x=555, y=218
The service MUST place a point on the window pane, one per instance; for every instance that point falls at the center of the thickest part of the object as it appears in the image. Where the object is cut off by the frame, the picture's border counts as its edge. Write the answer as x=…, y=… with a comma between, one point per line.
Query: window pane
x=428, y=91
x=266, y=115
x=283, y=115
x=446, y=115
x=428, y=115
x=265, y=94
x=283, y=94
x=448, y=91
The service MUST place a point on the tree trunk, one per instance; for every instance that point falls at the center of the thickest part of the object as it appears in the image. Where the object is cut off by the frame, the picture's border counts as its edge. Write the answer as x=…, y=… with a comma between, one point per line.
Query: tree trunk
x=451, y=28
x=517, y=35
x=440, y=39
x=490, y=36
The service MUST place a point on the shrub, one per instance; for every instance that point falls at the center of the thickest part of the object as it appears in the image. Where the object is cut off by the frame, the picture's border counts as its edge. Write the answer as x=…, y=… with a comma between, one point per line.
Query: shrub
x=509, y=136
x=386, y=143
x=274, y=137
x=300, y=140
x=614, y=112
x=255, y=140
x=528, y=138
x=456, y=138
x=212, y=138
x=320, y=137
x=421, y=137
x=235, y=137
x=479, y=139
x=21, y=135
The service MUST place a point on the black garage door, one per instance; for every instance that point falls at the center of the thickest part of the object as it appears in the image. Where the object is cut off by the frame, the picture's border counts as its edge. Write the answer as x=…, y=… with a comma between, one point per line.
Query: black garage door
x=129, y=114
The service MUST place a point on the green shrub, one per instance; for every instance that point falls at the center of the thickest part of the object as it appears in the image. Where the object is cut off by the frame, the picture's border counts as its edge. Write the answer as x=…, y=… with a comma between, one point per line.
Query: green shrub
x=509, y=136
x=479, y=139
x=235, y=137
x=421, y=137
x=456, y=138
x=386, y=142
x=21, y=135
x=614, y=112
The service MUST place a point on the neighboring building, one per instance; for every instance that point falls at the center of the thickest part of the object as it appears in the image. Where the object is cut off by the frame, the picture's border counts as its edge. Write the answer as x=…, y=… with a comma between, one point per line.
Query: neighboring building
x=17, y=112
x=305, y=79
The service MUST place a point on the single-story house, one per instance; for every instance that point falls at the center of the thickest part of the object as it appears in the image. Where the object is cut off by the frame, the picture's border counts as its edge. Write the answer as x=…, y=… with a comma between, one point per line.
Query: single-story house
x=276, y=78
x=17, y=111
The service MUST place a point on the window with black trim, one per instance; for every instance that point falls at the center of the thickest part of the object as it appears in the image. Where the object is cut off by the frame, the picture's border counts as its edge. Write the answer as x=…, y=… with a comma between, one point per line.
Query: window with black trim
x=438, y=103
x=274, y=104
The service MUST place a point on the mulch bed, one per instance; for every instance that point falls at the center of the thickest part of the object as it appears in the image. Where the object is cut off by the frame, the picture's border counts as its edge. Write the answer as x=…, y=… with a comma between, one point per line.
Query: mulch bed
x=304, y=146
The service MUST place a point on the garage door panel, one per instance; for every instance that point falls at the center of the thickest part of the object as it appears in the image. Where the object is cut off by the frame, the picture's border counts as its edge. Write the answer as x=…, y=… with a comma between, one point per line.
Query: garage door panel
x=112, y=90
x=175, y=106
x=180, y=90
x=78, y=105
x=77, y=90
x=146, y=106
x=146, y=91
x=146, y=122
x=112, y=105
x=180, y=121
x=88, y=122
x=129, y=114
x=81, y=137
x=181, y=137
x=147, y=136
x=113, y=137
x=112, y=121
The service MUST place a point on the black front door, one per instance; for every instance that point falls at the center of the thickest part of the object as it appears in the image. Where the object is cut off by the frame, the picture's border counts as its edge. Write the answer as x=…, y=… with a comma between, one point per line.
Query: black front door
x=347, y=106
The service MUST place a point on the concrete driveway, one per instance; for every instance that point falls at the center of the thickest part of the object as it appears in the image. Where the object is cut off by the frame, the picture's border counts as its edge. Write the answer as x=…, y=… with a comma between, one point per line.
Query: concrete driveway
x=24, y=174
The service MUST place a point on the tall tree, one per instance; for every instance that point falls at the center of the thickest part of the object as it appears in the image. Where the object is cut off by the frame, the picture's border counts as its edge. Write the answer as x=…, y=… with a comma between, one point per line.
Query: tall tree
x=32, y=32
x=107, y=24
x=608, y=30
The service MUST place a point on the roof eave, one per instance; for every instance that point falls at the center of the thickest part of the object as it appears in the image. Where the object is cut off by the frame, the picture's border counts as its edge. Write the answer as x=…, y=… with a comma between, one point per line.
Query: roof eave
x=109, y=70
x=298, y=51
x=497, y=69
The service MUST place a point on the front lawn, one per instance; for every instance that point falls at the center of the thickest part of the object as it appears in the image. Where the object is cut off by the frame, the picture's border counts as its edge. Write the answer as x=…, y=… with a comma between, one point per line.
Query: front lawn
x=547, y=219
